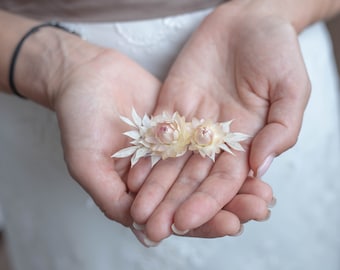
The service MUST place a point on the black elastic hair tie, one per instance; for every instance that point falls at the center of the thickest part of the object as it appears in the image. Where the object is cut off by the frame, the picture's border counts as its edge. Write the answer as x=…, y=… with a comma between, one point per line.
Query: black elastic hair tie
x=18, y=47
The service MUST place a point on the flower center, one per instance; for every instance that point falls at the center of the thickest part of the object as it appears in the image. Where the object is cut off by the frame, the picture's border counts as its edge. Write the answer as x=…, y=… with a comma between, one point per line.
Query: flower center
x=203, y=136
x=166, y=133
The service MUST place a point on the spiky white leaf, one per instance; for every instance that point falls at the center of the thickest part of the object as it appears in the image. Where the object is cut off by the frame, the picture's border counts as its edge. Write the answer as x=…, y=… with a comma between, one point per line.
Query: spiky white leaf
x=226, y=148
x=125, y=152
x=212, y=156
x=134, y=160
x=226, y=125
x=142, y=152
x=154, y=160
x=133, y=134
x=136, y=118
x=236, y=146
x=236, y=137
x=135, y=142
x=128, y=121
x=146, y=121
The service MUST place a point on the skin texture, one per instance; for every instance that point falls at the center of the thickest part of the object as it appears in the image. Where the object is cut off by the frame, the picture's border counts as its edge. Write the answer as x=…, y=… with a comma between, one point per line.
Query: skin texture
x=87, y=135
x=245, y=66
x=89, y=87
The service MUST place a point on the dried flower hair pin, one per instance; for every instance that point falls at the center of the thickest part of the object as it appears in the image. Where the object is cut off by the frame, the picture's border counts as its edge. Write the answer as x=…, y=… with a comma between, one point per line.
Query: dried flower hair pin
x=164, y=136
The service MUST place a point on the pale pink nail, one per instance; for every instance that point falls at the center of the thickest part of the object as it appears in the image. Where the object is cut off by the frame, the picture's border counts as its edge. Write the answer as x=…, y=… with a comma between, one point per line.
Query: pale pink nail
x=150, y=243
x=272, y=202
x=177, y=231
x=265, y=166
x=138, y=227
x=269, y=213
x=141, y=236
x=240, y=232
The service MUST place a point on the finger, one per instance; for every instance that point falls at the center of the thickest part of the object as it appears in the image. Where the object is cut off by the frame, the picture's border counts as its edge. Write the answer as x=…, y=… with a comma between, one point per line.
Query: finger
x=143, y=239
x=222, y=224
x=138, y=174
x=228, y=221
x=216, y=191
x=159, y=223
x=257, y=187
x=283, y=125
x=248, y=207
x=156, y=187
x=97, y=175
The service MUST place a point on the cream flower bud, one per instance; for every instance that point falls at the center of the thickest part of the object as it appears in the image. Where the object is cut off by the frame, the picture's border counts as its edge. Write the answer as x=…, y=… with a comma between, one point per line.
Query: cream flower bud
x=169, y=136
x=166, y=133
x=209, y=138
x=203, y=136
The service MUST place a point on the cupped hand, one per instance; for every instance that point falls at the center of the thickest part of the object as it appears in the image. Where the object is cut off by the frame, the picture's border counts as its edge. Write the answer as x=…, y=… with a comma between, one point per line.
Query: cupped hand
x=90, y=99
x=242, y=63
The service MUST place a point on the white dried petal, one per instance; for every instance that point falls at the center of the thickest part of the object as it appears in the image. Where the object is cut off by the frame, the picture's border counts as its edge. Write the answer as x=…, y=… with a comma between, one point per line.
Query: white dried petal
x=137, y=155
x=142, y=152
x=226, y=126
x=136, y=118
x=125, y=152
x=226, y=149
x=154, y=160
x=236, y=146
x=146, y=122
x=236, y=137
x=212, y=156
x=127, y=121
x=133, y=134
x=134, y=160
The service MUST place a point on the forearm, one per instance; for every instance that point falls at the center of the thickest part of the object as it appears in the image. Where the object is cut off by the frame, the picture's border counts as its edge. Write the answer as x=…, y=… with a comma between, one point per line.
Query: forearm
x=44, y=59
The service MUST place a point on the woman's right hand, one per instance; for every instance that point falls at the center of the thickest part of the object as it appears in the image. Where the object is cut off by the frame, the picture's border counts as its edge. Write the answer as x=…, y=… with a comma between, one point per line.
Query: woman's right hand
x=88, y=104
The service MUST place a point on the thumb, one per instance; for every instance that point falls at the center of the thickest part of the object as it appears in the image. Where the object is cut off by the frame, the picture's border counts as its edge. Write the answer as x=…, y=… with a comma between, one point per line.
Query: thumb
x=283, y=125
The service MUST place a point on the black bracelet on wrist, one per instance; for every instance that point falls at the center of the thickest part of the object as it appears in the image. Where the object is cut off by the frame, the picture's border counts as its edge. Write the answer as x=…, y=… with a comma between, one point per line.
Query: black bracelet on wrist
x=18, y=47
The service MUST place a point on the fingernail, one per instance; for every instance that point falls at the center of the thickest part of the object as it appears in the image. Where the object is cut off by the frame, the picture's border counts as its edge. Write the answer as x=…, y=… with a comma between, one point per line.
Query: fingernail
x=138, y=227
x=272, y=203
x=177, y=231
x=269, y=213
x=240, y=232
x=265, y=166
x=149, y=243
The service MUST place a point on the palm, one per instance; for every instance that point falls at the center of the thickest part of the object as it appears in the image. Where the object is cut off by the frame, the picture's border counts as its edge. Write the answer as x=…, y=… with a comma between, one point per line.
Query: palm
x=88, y=110
x=253, y=74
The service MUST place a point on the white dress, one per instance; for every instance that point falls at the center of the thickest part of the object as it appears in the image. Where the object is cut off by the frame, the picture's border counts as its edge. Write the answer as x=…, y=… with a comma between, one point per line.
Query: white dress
x=52, y=224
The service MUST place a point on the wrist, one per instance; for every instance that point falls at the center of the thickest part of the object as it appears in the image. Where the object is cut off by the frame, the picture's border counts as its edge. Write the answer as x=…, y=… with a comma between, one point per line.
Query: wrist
x=44, y=62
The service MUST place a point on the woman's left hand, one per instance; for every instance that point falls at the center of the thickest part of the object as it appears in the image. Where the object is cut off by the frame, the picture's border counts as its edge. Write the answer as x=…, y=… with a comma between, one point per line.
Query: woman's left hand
x=243, y=63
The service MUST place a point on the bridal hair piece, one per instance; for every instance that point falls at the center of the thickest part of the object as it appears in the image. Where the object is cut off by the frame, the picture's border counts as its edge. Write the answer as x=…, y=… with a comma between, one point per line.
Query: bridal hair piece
x=169, y=136
x=19, y=45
